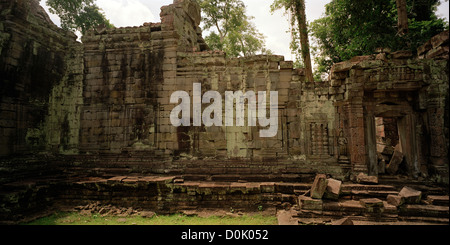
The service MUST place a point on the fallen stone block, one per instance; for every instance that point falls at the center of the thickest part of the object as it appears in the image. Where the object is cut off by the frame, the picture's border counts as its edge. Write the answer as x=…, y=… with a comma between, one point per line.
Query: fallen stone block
x=410, y=195
x=363, y=178
x=147, y=214
x=343, y=221
x=371, y=203
x=381, y=166
x=395, y=162
x=319, y=186
x=286, y=218
x=395, y=200
x=388, y=150
x=308, y=203
x=333, y=189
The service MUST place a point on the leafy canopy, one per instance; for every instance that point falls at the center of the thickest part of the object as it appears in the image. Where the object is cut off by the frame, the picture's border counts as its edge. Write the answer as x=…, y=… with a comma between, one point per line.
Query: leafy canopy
x=78, y=15
x=232, y=30
x=351, y=28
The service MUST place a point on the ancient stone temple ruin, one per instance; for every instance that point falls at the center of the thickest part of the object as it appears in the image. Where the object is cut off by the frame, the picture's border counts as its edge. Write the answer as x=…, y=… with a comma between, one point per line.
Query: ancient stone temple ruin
x=89, y=121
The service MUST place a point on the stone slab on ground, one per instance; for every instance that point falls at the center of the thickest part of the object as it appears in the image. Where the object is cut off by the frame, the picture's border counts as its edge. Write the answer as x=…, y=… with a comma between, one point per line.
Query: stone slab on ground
x=319, y=186
x=285, y=217
x=371, y=202
x=410, y=195
x=333, y=189
x=343, y=221
x=309, y=203
x=363, y=178
x=395, y=200
x=395, y=162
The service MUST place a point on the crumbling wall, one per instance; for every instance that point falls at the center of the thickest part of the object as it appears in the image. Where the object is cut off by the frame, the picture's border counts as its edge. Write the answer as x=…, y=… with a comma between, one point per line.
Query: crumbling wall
x=34, y=58
x=132, y=72
x=123, y=68
x=395, y=85
x=110, y=95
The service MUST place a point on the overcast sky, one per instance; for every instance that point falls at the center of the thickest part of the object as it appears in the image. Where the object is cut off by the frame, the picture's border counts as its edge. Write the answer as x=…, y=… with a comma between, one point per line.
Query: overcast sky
x=275, y=26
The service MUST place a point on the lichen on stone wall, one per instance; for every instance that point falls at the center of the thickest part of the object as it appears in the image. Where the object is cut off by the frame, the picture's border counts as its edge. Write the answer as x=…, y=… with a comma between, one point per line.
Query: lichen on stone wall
x=62, y=124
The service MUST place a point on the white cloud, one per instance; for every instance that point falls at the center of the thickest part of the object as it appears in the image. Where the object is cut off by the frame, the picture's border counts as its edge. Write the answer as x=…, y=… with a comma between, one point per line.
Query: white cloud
x=276, y=26
x=53, y=17
x=124, y=13
x=155, y=6
x=443, y=10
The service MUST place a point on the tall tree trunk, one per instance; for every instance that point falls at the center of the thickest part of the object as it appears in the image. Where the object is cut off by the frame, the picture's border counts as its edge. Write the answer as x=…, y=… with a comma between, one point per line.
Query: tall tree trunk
x=304, y=40
x=402, y=17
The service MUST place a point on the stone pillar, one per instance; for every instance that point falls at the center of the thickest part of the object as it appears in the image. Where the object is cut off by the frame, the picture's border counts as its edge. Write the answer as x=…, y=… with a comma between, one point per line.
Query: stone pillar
x=408, y=142
x=357, y=145
x=371, y=145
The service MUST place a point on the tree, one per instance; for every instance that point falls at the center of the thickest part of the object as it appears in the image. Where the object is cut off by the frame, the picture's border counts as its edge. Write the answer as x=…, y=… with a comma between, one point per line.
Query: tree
x=78, y=15
x=297, y=9
x=233, y=31
x=352, y=28
x=402, y=17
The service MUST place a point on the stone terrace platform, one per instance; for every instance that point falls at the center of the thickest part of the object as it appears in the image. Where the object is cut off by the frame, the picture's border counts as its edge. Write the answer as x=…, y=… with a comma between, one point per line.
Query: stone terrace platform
x=25, y=200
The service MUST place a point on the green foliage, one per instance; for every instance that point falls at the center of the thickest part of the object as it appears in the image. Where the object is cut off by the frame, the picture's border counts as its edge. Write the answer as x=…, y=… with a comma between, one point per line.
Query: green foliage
x=232, y=30
x=352, y=28
x=78, y=15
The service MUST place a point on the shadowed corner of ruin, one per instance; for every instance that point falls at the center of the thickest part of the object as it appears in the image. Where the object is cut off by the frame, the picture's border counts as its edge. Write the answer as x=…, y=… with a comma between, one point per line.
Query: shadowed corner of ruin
x=89, y=122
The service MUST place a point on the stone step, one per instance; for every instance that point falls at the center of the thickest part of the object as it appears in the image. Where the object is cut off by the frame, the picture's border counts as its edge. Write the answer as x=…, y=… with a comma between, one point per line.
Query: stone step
x=379, y=210
x=417, y=210
x=294, y=178
x=424, y=220
x=437, y=200
x=169, y=193
x=398, y=182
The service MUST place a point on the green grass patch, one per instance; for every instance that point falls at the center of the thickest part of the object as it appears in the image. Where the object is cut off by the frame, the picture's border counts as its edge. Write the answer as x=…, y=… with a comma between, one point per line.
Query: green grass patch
x=74, y=218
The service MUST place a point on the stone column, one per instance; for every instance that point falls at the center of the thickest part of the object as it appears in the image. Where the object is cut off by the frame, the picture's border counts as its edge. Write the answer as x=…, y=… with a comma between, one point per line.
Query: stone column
x=357, y=145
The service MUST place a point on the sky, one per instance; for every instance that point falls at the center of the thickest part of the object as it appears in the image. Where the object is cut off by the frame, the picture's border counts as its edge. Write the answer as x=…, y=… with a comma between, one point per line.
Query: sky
x=275, y=27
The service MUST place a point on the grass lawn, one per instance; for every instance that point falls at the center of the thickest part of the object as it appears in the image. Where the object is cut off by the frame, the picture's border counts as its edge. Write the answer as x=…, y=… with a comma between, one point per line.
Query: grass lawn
x=74, y=218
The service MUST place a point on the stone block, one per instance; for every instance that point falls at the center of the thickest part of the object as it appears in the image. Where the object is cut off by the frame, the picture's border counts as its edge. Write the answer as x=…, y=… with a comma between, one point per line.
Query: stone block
x=402, y=54
x=440, y=39
x=286, y=218
x=363, y=178
x=438, y=200
x=410, y=195
x=308, y=203
x=319, y=186
x=395, y=200
x=438, y=52
x=371, y=203
x=333, y=189
x=395, y=162
x=286, y=64
x=424, y=48
x=343, y=221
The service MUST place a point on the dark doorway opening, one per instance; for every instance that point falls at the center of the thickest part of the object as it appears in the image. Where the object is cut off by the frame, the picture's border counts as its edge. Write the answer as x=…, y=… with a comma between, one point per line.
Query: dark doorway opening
x=390, y=155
